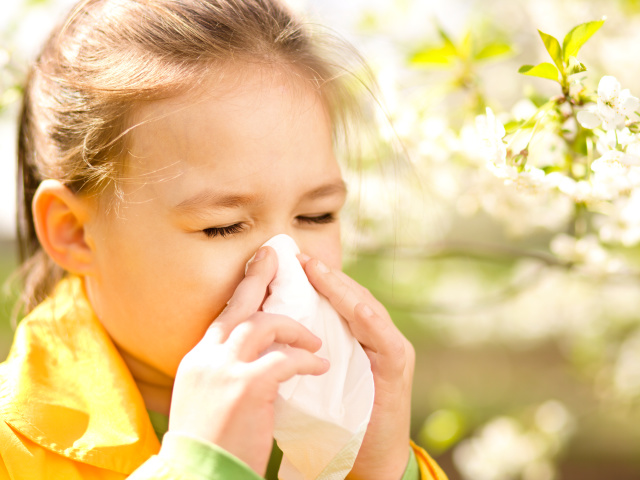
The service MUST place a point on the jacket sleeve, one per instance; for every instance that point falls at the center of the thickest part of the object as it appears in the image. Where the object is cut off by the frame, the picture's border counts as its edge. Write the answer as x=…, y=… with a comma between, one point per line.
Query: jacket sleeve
x=183, y=457
x=180, y=458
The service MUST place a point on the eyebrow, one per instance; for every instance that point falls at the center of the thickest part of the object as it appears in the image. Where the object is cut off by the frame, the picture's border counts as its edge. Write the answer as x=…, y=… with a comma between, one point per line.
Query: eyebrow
x=212, y=199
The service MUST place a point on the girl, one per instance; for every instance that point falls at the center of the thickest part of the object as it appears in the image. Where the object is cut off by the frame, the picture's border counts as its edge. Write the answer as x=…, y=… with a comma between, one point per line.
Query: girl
x=161, y=143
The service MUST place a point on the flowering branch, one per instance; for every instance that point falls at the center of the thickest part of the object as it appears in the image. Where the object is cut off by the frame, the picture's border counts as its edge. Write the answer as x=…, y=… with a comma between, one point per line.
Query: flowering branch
x=605, y=190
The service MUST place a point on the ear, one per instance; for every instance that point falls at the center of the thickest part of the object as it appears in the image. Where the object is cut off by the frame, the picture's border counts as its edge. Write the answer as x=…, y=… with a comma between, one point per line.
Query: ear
x=60, y=217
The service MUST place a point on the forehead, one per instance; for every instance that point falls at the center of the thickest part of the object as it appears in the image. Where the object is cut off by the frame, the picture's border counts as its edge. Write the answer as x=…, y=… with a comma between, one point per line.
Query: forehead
x=244, y=122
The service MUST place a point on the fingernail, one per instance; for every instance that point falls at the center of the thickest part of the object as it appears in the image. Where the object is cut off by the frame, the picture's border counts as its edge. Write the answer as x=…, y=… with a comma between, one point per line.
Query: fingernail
x=322, y=268
x=304, y=257
x=259, y=255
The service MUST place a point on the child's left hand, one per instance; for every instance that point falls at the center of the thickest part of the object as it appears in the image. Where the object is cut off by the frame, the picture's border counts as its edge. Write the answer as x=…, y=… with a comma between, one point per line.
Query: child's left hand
x=384, y=453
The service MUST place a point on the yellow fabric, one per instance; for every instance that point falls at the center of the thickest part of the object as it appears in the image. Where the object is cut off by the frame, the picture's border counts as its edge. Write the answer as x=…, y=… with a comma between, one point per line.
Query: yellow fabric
x=69, y=408
x=429, y=469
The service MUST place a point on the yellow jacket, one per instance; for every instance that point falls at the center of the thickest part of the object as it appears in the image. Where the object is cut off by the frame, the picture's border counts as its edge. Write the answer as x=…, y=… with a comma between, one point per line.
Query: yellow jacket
x=69, y=407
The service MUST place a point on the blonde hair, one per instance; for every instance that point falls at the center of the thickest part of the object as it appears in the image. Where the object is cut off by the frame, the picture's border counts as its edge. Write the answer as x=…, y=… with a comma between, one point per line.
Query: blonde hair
x=110, y=54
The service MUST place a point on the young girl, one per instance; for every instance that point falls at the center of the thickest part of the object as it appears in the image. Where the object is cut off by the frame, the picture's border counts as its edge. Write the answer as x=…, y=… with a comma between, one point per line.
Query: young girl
x=161, y=143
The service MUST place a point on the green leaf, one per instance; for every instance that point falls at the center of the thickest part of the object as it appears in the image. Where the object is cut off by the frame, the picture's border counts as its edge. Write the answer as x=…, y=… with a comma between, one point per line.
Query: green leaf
x=466, y=45
x=447, y=40
x=577, y=37
x=543, y=70
x=538, y=99
x=575, y=66
x=10, y=95
x=494, y=50
x=552, y=168
x=553, y=47
x=368, y=22
x=513, y=125
x=442, y=56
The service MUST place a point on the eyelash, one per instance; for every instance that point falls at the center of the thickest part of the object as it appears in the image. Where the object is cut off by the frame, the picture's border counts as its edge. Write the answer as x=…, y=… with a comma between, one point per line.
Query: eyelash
x=320, y=220
x=223, y=232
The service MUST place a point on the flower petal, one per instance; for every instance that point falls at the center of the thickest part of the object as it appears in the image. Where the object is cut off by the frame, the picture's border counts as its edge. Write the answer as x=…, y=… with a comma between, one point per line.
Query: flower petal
x=589, y=119
x=608, y=88
x=628, y=103
x=631, y=160
x=613, y=123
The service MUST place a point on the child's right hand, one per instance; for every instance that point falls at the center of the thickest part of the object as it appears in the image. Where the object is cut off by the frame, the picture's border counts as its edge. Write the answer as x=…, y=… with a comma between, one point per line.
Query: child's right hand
x=224, y=391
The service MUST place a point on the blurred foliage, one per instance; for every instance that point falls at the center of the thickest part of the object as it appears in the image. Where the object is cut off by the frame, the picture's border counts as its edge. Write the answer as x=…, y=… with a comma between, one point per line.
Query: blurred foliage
x=463, y=58
x=534, y=246
x=524, y=319
x=7, y=297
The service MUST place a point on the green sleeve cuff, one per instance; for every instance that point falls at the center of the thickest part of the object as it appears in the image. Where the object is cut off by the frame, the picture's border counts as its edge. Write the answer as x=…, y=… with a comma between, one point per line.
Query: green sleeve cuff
x=183, y=457
x=203, y=459
x=412, y=471
x=189, y=458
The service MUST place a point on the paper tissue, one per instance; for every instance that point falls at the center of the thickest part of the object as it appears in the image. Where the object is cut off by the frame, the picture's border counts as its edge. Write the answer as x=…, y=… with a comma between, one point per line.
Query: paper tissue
x=320, y=421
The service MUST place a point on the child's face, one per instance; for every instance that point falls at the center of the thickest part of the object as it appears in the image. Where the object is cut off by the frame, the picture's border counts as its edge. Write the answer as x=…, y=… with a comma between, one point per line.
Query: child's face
x=253, y=159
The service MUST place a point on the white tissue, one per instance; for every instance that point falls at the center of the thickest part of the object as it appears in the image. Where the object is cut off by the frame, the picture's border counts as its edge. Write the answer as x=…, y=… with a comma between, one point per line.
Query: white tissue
x=320, y=421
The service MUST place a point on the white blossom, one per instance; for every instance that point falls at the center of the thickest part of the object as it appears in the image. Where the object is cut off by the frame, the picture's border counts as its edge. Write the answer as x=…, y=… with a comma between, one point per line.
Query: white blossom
x=552, y=417
x=587, y=252
x=579, y=191
x=492, y=131
x=589, y=117
x=615, y=173
x=622, y=224
x=547, y=149
x=507, y=195
x=504, y=450
x=530, y=180
x=615, y=139
x=613, y=106
x=615, y=162
x=524, y=109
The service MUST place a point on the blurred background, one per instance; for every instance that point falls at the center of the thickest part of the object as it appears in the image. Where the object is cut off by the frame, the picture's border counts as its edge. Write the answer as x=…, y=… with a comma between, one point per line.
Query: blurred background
x=522, y=300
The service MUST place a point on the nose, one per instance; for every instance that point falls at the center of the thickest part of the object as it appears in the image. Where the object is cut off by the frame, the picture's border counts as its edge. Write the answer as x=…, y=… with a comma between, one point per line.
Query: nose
x=296, y=236
x=324, y=245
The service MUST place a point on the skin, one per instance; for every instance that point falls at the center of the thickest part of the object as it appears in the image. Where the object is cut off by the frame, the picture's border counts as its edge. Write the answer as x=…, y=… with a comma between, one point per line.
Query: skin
x=210, y=177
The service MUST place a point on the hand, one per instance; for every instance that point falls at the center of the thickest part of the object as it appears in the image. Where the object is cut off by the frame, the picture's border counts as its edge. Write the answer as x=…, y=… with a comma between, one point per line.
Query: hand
x=224, y=391
x=384, y=453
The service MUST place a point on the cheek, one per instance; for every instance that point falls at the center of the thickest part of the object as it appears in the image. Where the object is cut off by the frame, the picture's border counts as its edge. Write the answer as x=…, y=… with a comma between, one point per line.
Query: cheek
x=326, y=248
x=156, y=299
x=332, y=257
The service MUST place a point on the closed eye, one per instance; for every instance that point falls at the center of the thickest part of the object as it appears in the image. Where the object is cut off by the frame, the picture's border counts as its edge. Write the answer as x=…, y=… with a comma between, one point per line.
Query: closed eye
x=228, y=230
x=213, y=232
x=320, y=219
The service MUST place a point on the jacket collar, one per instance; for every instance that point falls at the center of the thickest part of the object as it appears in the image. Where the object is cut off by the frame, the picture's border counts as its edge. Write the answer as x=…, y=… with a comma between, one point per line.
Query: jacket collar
x=66, y=388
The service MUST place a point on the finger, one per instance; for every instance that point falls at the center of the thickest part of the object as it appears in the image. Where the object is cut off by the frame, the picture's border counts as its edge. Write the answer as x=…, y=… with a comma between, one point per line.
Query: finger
x=251, y=338
x=248, y=296
x=373, y=327
x=385, y=338
x=304, y=259
x=362, y=291
x=341, y=295
x=285, y=363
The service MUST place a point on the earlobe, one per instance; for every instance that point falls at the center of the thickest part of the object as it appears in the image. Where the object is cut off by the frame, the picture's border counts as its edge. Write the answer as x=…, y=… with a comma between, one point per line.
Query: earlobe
x=60, y=218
